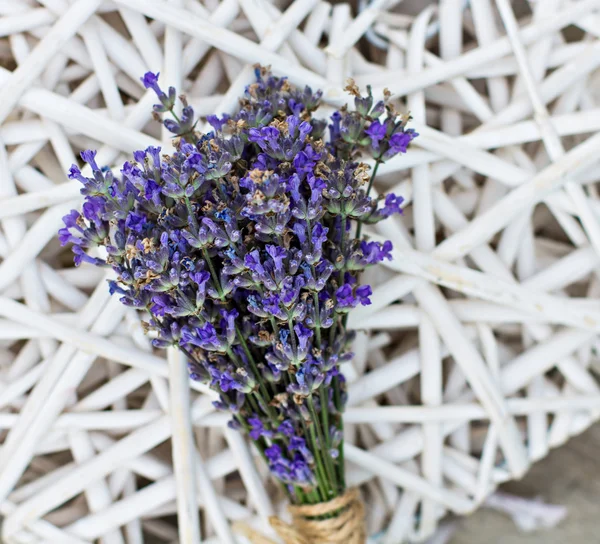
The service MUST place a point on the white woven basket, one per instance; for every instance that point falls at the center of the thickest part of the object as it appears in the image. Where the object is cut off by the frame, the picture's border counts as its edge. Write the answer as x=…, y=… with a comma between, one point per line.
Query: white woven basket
x=487, y=363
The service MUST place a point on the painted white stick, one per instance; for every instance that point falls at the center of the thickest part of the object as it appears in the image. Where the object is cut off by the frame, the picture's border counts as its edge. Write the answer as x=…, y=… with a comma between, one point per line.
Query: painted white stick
x=47, y=401
x=228, y=42
x=290, y=19
x=145, y=41
x=470, y=361
x=254, y=484
x=431, y=395
x=108, y=86
x=98, y=495
x=25, y=21
x=500, y=331
x=487, y=53
x=406, y=479
x=25, y=75
x=183, y=448
x=551, y=140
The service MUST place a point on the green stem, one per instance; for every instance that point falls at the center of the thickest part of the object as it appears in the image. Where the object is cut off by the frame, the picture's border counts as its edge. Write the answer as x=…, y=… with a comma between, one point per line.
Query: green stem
x=261, y=450
x=317, y=315
x=313, y=496
x=191, y=213
x=213, y=272
x=324, y=451
x=175, y=116
x=325, y=419
x=275, y=327
x=334, y=326
x=321, y=478
x=325, y=415
x=292, y=336
x=315, y=295
x=262, y=394
x=253, y=403
x=337, y=399
x=254, y=368
x=377, y=163
x=340, y=459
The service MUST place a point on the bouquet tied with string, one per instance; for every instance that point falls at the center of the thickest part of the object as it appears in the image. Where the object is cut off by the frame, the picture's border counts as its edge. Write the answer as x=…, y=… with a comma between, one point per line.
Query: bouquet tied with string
x=244, y=249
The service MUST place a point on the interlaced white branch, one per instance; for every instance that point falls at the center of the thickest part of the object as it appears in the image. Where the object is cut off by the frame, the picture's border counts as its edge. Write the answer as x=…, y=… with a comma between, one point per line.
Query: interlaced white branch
x=480, y=349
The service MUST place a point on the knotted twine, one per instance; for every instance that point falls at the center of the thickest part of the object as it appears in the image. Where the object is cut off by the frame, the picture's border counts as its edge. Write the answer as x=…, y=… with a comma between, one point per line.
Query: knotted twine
x=338, y=521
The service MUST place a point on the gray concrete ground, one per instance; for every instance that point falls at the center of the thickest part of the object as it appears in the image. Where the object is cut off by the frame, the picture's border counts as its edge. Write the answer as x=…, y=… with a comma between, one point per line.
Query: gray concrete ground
x=570, y=476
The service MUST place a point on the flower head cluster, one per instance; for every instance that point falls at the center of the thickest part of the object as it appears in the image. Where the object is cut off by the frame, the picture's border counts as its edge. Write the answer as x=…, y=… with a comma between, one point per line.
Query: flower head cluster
x=240, y=247
x=374, y=127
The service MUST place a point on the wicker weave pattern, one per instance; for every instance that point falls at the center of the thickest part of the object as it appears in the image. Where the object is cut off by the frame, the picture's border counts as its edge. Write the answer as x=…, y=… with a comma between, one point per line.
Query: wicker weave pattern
x=479, y=351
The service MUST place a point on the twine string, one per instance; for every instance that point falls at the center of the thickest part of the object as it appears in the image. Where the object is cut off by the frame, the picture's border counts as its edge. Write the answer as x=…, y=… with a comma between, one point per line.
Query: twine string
x=338, y=521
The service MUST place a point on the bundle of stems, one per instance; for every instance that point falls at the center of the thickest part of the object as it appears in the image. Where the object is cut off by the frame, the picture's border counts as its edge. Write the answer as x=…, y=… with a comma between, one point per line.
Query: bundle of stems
x=244, y=248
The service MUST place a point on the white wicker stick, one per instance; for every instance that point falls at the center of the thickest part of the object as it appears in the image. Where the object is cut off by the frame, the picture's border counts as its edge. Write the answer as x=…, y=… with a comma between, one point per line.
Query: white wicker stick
x=486, y=31
x=529, y=193
x=139, y=441
x=214, y=509
x=84, y=120
x=145, y=503
x=400, y=524
x=227, y=41
x=450, y=330
x=145, y=42
x=196, y=48
x=309, y=55
x=550, y=137
x=183, y=449
x=121, y=52
x=276, y=39
x=406, y=479
x=78, y=13
x=25, y=21
x=66, y=371
x=488, y=53
x=336, y=64
x=431, y=389
x=354, y=31
x=118, y=420
x=173, y=77
x=424, y=219
x=98, y=495
x=133, y=529
x=252, y=480
x=552, y=86
x=40, y=529
x=285, y=24
x=110, y=92
x=524, y=339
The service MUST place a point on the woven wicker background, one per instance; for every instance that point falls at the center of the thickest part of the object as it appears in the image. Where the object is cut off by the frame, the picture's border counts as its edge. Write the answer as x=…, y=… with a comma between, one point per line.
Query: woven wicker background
x=479, y=352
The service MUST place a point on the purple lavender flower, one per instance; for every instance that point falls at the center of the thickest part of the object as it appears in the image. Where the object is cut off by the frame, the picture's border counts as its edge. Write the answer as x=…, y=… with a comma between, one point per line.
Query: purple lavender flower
x=240, y=246
x=345, y=296
x=167, y=102
x=273, y=453
x=399, y=142
x=392, y=205
x=363, y=293
x=377, y=132
x=150, y=81
x=89, y=156
x=374, y=252
x=258, y=430
x=286, y=428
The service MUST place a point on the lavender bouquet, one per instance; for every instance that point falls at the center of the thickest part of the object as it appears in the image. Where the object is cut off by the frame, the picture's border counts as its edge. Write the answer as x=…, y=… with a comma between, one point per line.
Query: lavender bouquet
x=244, y=248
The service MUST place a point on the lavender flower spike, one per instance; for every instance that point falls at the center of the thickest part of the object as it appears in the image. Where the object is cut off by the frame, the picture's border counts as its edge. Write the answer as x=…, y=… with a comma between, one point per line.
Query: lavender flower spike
x=240, y=248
